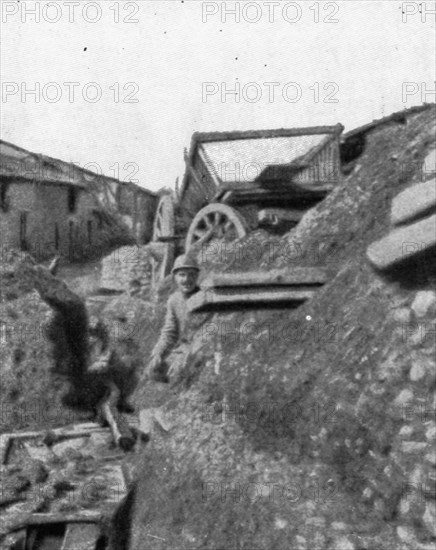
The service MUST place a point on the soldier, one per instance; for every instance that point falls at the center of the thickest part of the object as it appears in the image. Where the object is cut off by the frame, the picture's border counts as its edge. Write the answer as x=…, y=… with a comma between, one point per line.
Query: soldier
x=173, y=336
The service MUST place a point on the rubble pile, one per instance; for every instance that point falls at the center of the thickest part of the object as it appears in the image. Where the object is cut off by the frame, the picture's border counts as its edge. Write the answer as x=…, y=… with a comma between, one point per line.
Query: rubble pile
x=310, y=428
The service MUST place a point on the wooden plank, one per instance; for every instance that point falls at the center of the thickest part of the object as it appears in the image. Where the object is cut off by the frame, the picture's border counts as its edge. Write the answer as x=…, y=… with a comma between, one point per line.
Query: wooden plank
x=21, y=521
x=414, y=201
x=209, y=300
x=199, y=137
x=283, y=277
x=238, y=196
x=403, y=243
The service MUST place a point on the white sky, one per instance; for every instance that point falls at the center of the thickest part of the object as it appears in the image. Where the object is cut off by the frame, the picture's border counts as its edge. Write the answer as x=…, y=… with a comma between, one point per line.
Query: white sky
x=175, y=47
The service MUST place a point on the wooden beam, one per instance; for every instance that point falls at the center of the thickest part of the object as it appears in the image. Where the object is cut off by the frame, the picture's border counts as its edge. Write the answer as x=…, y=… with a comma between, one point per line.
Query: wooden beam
x=302, y=276
x=21, y=521
x=204, y=137
x=212, y=299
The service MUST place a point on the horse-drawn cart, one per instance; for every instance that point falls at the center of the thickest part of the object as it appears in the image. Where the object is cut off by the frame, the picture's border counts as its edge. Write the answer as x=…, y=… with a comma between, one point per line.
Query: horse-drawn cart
x=235, y=182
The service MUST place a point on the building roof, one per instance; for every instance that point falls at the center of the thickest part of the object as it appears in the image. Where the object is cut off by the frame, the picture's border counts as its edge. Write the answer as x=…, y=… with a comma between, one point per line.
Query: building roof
x=254, y=152
x=23, y=166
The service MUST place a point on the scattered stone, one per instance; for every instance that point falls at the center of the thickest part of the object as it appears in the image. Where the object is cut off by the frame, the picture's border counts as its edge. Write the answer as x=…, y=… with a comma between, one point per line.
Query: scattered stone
x=343, y=544
x=417, y=372
x=42, y=453
x=403, y=243
x=280, y=523
x=415, y=200
x=316, y=521
x=429, y=518
x=402, y=315
x=431, y=458
x=406, y=534
x=423, y=301
x=405, y=396
x=413, y=446
x=367, y=493
x=388, y=369
x=406, y=431
x=301, y=542
x=430, y=433
x=339, y=526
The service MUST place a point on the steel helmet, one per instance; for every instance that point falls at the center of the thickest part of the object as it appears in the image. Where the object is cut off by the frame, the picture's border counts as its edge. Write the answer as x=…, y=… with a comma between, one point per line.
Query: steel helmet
x=185, y=261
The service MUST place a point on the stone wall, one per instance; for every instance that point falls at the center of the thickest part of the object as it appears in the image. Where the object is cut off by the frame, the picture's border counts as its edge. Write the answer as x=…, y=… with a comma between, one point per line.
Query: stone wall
x=53, y=222
x=127, y=269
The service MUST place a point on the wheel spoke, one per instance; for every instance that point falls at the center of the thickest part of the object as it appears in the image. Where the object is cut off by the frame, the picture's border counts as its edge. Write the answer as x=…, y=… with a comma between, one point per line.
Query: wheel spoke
x=228, y=225
x=207, y=221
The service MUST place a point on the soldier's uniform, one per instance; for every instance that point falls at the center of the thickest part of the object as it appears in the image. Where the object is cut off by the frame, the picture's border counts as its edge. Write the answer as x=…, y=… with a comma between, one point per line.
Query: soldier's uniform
x=174, y=340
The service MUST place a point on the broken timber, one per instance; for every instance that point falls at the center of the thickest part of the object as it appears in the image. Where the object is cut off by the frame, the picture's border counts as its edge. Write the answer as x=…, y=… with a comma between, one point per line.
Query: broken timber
x=287, y=286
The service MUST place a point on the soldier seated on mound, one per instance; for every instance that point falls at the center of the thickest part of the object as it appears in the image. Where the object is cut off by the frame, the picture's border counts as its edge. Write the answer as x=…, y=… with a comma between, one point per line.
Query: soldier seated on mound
x=170, y=352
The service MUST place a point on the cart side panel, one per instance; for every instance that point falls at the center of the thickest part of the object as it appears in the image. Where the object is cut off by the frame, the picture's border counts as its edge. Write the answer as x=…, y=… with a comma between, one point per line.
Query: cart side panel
x=324, y=167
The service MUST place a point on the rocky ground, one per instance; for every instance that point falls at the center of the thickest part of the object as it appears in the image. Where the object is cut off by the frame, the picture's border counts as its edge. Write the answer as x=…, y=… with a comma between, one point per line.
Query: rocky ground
x=311, y=428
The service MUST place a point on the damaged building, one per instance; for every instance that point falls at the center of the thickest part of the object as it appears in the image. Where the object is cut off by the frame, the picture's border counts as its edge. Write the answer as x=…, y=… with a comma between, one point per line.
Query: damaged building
x=48, y=206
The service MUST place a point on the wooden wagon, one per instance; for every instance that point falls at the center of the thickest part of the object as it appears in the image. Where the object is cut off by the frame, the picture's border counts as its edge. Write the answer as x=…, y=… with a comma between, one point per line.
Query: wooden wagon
x=235, y=182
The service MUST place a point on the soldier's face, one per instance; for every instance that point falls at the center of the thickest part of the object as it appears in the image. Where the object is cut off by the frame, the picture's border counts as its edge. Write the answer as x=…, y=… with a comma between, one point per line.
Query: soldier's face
x=186, y=280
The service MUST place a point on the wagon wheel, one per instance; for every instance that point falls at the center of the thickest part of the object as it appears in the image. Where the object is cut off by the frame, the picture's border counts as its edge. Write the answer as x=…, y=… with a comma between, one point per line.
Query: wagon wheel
x=215, y=221
x=163, y=225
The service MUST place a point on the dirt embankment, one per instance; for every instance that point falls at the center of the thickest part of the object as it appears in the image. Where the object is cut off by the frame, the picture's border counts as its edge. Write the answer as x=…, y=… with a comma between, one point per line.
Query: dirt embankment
x=308, y=428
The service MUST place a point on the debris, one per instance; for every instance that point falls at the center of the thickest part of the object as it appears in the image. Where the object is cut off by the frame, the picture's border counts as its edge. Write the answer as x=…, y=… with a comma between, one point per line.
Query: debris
x=423, y=301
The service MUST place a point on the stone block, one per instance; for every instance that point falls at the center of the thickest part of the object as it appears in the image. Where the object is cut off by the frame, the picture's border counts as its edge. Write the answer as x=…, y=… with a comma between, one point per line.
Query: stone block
x=413, y=201
x=403, y=243
x=423, y=301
